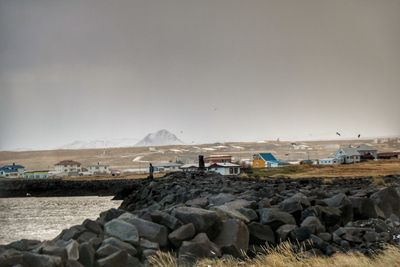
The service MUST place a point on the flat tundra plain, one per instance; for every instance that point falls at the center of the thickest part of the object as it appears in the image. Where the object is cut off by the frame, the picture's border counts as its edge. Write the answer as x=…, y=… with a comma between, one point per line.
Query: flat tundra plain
x=139, y=157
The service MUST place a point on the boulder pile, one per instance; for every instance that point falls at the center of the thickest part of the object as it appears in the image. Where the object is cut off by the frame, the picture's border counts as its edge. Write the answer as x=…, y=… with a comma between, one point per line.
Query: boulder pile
x=208, y=215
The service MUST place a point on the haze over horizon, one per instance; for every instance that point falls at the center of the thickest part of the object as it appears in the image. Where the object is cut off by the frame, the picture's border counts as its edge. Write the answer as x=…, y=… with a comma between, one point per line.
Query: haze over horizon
x=208, y=71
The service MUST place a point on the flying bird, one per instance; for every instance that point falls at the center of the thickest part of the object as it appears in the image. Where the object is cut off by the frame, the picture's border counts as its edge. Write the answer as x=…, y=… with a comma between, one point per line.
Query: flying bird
x=359, y=135
x=338, y=133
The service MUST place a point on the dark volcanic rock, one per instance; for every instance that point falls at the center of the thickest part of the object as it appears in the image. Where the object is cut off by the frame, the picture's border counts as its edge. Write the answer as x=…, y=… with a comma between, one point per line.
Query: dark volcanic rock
x=203, y=220
x=221, y=199
x=261, y=234
x=117, y=259
x=93, y=226
x=283, y=231
x=183, y=233
x=233, y=238
x=198, y=202
x=36, y=260
x=342, y=202
x=275, y=218
x=199, y=247
x=119, y=244
x=24, y=244
x=200, y=215
x=148, y=230
x=388, y=200
x=295, y=205
x=365, y=208
x=86, y=254
x=313, y=224
x=122, y=230
x=165, y=219
x=300, y=234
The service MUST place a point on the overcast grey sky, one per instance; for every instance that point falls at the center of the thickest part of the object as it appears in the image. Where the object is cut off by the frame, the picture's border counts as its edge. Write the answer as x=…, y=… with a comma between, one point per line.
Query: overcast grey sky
x=217, y=70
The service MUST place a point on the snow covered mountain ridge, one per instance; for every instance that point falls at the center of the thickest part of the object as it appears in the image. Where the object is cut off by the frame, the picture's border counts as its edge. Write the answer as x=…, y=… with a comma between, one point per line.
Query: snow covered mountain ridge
x=160, y=138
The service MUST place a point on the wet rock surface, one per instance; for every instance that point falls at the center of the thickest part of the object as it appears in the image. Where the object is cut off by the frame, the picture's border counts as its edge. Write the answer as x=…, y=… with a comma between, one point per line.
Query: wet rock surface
x=207, y=215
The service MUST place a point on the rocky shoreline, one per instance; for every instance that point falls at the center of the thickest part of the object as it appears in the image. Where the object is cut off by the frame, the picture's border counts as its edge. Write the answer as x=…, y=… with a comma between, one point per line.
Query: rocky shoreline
x=207, y=215
x=61, y=188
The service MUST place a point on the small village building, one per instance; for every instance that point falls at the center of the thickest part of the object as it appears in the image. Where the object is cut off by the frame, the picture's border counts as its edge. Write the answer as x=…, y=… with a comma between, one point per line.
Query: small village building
x=99, y=169
x=329, y=161
x=167, y=167
x=221, y=168
x=306, y=162
x=348, y=155
x=218, y=159
x=265, y=160
x=191, y=167
x=36, y=174
x=67, y=167
x=13, y=170
x=367, y=152
x=224, y=168
x=388, y=155
x=115, y=172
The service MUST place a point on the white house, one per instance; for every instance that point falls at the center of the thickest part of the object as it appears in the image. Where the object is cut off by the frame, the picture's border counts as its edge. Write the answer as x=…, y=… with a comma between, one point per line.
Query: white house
x=329, y=161
x=225, y=168
x=168, y=167
x=36, y=174
x=348, y=155
x=367, y=152
x=67, y=167
x=99, y=169
x=191, y=167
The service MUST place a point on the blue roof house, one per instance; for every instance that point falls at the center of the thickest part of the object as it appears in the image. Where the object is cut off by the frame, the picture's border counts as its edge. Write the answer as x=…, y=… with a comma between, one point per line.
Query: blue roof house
x=265, y=160
x=13, y=170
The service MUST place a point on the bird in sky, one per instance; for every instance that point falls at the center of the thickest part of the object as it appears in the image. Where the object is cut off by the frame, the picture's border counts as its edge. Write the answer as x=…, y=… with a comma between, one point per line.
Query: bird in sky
x=359, y=135
x=338, y=133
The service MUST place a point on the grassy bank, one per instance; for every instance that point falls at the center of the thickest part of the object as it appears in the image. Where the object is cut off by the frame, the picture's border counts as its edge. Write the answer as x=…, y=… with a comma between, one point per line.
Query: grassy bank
x=283, y=256
x=370, y=168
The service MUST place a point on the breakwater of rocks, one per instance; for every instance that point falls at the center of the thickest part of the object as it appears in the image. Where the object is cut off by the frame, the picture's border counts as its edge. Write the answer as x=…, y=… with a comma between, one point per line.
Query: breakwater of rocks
x=208, y=215
x=59, y=187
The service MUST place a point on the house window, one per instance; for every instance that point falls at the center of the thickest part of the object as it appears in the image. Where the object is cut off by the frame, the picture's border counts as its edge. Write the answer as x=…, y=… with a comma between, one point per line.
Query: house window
x=230, y=170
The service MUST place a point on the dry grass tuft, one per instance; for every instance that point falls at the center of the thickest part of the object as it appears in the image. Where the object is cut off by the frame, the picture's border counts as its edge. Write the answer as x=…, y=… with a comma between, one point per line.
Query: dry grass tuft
x=378, y=180
x=284, y=256
x=163, y=259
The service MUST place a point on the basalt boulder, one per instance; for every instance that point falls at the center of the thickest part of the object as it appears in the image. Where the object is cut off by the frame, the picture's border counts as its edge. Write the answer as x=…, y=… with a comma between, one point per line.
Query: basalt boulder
x=261, y=234
x=275, y=218
x=183, y=233
x=199, y=247
x=342, y=202
x=233, y=238
x=146, y=229
x=204, y=221
x=122, y=230
x=388, y=201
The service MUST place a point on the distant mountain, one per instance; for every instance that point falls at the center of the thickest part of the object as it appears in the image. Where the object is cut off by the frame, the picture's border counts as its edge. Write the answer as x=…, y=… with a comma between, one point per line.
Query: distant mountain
x=121, y=142
x=160, y=138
